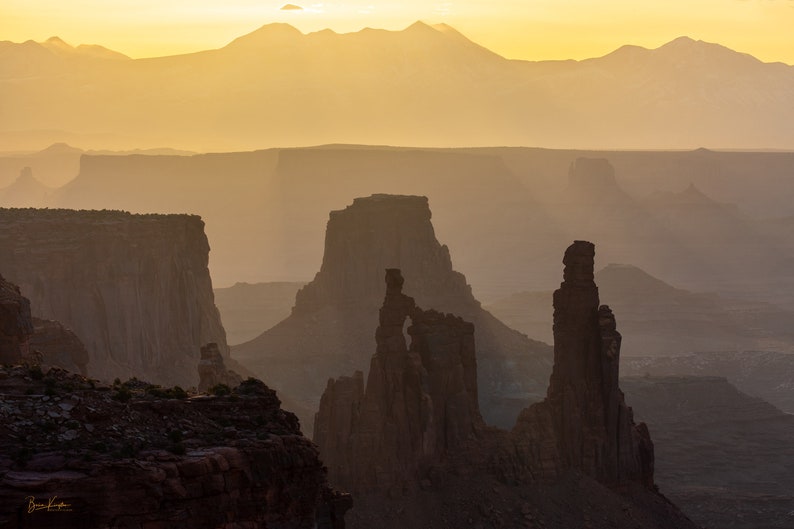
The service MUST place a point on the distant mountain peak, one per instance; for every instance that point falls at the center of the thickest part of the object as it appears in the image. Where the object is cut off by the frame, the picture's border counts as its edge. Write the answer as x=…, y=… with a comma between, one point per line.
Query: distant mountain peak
x=680, y=51
x=267, y=34
x=683, y=41
x=420, y=26
x=278, y=27
x=594, y=178
x=25, y=191
x=56, y=40
x=445, y=27
x=60, y=148
x=57, y=44
x=687, y=47
x=687, y=44
x=691, y=196
x=63, y=49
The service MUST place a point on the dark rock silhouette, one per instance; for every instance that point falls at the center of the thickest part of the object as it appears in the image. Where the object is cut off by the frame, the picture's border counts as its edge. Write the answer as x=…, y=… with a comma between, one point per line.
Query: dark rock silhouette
x=329, y=330
x=16, y=325
x=212, y=370
x=151, y=461
x=420, y=402
x=134, y=288
x=412, y=446
x=585, y=411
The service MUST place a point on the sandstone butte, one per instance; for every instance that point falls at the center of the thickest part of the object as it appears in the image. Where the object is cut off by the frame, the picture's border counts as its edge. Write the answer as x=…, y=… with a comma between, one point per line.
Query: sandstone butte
x=329, y=331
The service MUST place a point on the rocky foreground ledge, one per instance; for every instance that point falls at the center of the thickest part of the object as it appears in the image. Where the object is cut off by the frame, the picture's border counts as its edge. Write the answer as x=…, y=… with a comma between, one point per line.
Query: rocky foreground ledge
x=77, y=453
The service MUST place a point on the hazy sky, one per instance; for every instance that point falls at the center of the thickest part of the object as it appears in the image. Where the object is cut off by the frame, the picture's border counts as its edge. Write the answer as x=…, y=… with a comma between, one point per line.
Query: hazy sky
x=519, y=29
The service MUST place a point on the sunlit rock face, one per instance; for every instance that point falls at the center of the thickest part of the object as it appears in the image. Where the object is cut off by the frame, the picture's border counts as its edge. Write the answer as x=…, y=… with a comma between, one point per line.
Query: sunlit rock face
x=329, y=332
x=135, y=289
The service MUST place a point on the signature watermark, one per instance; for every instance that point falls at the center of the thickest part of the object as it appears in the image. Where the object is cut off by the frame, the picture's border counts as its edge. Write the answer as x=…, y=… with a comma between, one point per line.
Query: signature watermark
x=51, y=505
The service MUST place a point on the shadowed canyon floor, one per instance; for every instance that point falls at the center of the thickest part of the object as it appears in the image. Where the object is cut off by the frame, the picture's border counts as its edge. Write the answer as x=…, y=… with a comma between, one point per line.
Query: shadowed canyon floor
x=724, y=458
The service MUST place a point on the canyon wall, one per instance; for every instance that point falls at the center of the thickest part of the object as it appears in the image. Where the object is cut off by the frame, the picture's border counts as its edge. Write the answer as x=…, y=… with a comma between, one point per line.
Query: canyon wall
x=135, y=289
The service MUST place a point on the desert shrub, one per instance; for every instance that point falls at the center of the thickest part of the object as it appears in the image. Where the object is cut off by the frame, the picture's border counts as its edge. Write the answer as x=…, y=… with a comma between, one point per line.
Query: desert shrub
x=123, y=394
x=219, y=390
x=35, y=372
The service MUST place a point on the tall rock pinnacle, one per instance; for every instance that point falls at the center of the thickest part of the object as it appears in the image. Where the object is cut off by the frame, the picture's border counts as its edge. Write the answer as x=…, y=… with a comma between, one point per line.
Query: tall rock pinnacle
x=593, y=428
x=420, y=402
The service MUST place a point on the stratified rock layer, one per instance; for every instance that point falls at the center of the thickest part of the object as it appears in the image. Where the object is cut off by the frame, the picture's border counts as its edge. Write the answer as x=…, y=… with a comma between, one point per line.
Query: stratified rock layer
x=329, y=330
x=140, y=461
x=212, y=370
x=584, y=424
x=135, y=289
x=420, y=401
x=16, y=325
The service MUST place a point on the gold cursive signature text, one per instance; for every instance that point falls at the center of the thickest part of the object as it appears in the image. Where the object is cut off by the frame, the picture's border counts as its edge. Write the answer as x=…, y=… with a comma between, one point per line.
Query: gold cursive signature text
x=50, y=506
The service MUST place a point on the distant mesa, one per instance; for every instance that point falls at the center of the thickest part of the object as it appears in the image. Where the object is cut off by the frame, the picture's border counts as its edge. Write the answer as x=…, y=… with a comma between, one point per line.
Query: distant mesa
x=591, y=173
x=592, y=180
x=291, y=7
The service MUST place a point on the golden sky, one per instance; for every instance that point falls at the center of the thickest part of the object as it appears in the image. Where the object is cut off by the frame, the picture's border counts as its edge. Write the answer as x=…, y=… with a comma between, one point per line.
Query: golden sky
x=517, y=29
